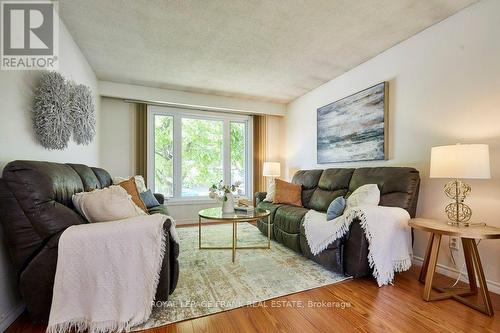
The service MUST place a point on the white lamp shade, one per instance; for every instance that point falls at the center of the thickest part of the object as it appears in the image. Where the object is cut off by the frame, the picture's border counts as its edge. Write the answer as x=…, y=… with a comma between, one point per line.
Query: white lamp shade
x=460, y=161
x=271, y=169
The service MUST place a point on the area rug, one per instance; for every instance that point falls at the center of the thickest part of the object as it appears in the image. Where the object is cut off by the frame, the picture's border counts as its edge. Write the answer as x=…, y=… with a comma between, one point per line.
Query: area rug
x=209, y=282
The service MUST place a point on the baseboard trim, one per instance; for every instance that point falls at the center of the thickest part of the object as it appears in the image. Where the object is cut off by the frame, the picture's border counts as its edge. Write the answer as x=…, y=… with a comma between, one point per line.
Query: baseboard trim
x=10, y=317
x=493, y=286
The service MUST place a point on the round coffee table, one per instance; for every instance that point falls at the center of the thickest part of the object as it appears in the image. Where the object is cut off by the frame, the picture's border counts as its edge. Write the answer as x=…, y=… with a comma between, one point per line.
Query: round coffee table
x=216, y=215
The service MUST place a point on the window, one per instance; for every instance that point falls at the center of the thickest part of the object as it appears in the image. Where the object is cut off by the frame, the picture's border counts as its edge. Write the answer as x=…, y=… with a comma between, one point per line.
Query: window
x=164, y=154
x=238, y=154
x=201, y=155
x=190, y=150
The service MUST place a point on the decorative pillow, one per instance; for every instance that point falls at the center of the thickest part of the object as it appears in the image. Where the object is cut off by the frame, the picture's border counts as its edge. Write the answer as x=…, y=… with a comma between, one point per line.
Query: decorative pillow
x=368, y=194
x=131, y=188
x=287, y=193
x=271, y=189
x=139, y=182
x=107, y=204
x=149, y=199
x=335, y=209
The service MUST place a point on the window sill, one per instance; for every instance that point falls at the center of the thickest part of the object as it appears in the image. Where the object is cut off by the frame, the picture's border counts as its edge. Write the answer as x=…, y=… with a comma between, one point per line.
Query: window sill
x=201, y=201
x=180, y=202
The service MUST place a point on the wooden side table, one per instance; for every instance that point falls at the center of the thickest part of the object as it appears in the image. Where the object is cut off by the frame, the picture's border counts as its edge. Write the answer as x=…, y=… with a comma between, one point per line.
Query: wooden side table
x=473, y=262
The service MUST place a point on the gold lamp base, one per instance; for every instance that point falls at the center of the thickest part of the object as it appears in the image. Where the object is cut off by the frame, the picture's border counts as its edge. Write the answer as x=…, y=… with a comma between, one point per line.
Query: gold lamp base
x=458, y=213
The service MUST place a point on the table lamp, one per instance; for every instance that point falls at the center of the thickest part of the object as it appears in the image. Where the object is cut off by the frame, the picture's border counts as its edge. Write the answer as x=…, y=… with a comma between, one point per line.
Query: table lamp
x=460, y=161
x=271, y=169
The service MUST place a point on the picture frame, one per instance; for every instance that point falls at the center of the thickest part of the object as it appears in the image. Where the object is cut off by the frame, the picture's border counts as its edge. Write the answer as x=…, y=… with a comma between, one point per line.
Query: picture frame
x=354, y=128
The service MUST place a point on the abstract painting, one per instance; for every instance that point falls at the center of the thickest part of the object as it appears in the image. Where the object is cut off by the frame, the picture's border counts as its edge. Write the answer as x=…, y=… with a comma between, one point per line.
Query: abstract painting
x=354, y=128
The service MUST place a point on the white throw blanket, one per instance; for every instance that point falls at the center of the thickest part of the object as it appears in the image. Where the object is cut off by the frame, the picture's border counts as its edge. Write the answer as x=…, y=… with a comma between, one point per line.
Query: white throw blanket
x=386, y=229
x=107, y=274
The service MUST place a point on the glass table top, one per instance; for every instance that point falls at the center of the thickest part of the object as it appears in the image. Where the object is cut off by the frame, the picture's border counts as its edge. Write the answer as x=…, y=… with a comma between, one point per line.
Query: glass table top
x=217, y=214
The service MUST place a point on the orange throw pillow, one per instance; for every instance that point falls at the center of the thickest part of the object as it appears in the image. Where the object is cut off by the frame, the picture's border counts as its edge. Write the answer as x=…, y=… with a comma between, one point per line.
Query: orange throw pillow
x=288, y=193
x=131, y=188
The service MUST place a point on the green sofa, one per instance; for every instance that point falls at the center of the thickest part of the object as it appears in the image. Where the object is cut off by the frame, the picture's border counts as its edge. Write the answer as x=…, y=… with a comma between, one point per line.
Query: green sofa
x=398, y=186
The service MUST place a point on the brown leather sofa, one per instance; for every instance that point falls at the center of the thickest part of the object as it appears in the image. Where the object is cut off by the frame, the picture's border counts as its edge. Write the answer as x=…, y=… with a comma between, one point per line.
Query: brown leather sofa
x=36, y=208
x=398, y=186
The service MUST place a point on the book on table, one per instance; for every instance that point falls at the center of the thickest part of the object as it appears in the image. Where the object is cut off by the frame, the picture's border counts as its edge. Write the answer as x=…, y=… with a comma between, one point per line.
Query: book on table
x=245, y=209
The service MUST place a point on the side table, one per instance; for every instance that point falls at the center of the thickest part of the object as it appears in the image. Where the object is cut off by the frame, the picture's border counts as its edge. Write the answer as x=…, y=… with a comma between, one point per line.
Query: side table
x=468, y=235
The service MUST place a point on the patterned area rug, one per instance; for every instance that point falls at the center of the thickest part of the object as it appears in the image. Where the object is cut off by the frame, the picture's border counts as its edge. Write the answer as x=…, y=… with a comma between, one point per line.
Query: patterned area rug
x=210, y=283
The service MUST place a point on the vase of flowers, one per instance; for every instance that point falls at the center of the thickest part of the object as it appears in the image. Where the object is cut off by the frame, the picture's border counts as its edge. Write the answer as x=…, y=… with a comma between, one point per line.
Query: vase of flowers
x=224, y=193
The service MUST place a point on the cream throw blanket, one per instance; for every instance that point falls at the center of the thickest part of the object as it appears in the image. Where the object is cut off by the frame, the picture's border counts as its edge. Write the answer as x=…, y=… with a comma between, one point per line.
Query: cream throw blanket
x=107, y=274
x=386, y=229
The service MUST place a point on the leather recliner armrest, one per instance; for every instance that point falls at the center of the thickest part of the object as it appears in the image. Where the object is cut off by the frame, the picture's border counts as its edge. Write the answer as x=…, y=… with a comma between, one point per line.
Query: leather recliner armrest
x=160, y=198
x=356, y=251
x=53, y=241
x=259, y=197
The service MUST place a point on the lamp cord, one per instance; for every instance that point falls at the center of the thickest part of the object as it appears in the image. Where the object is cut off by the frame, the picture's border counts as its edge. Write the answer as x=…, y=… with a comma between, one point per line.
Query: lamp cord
x=455, y=263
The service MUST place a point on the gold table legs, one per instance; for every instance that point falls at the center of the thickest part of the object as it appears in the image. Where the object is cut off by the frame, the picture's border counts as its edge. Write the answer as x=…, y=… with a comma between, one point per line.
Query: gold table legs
x=234, y=246
x=473, y=263
x=235, y=239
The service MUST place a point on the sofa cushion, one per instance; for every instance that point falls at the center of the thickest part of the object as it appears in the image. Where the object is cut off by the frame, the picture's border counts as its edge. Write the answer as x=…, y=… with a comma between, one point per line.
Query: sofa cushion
x=321, y=199
x=335, y=179
x=103, y=176
x=161, y=209
x=272, y=207
x=307, y=178
x=398, y=185
x=89, y=179
x=332, y=184
x=289, y=218
x=309, y=181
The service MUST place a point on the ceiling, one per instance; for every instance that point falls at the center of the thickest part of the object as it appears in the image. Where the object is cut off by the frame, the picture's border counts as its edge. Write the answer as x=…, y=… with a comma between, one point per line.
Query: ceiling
x=274, y=50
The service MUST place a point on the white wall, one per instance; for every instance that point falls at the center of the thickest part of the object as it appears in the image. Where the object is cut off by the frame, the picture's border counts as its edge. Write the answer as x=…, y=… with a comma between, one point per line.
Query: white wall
x=17, y=142
x=444, y=88
x=117, y=144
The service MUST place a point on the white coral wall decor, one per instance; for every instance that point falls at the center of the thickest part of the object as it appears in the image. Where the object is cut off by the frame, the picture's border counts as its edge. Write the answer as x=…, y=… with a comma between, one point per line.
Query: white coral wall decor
x=83, y=114
x=52, y=120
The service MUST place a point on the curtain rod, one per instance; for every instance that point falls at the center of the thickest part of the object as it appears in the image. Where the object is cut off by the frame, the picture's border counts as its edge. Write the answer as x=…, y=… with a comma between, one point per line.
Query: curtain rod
x=190, y=106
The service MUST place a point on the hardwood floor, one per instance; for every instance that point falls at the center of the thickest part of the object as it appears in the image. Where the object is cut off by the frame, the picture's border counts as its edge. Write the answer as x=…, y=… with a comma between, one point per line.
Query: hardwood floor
x=397, y=308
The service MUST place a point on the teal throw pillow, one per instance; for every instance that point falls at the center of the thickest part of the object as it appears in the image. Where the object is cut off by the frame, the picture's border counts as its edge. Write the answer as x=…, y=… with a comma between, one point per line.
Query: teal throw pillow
x=149, y=199
x=335, y=209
